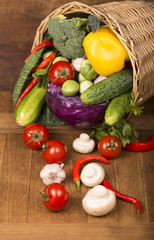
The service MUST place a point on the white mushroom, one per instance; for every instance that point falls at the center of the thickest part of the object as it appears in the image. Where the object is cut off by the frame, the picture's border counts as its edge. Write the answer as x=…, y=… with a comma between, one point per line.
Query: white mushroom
x=52, y=173
x=92, y=174
x=99, y=201
x=84, y=144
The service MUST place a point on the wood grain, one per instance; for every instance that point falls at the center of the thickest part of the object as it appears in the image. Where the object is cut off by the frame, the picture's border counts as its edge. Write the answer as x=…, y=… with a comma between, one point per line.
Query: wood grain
x=14, y=180
x=108, y=231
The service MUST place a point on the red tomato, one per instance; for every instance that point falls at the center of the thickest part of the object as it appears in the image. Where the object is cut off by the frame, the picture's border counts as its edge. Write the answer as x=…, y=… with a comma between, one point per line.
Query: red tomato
x=61, y=71
x=55, y=197
x=54, y=152
x=109, y=146
x=35, y=135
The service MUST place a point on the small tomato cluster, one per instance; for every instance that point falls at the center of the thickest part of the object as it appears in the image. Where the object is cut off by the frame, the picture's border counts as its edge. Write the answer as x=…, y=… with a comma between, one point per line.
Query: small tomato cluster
x=36, y=136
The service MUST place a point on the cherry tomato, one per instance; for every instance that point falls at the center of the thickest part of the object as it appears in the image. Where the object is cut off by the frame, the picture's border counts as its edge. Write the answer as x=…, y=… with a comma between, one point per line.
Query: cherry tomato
x=55, y=197
x=35, y=135
x=109, y=146
x=54, y=152
x=61, y=71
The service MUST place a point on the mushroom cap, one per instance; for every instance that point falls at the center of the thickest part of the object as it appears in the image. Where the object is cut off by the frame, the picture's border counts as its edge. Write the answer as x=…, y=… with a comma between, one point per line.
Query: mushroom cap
x=83, y=144
x=92, y=174
x=99, y=201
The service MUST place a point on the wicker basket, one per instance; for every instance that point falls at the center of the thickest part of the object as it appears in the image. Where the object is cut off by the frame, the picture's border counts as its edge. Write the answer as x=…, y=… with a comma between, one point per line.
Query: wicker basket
x=133, y=23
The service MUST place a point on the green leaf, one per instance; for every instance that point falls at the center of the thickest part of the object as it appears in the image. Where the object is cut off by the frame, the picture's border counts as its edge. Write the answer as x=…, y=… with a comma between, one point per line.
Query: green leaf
x=127, y=130
x=48, y=118
x=124, y=130
x=94, y=23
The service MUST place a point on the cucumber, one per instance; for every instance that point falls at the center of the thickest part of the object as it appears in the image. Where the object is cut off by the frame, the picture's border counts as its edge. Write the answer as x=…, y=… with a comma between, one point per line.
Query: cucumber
x=117, y=108
x=30, y=107
x=111, y=87
x=26, y=70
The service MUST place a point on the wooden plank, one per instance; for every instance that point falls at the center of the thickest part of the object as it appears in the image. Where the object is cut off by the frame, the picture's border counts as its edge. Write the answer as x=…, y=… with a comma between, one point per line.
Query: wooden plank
x=129, y=181
x=135, y=231
x=6, y=102
x=15, y=180
x=2, y=145
x=147, y=166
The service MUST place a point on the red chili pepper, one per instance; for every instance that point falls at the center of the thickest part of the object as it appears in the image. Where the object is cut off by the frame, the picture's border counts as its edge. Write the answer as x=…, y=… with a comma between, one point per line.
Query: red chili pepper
x=122, y=196
x=45, y=62
x=141, y=146
x=80, y=162
x=38, y=47
x=27, y=90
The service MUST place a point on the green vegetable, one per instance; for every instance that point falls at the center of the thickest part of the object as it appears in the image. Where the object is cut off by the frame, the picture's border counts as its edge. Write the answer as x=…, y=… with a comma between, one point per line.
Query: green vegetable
x=81, y=78
x=68, y=35
x=26, y=70
x=124, y=130
x=94, y=23
x=60, y=58
x=109, y=88
x=48, y=118
x=120, y=106
x=30, y=107
x=87, y=70
x=85, y=85
x=70, y=88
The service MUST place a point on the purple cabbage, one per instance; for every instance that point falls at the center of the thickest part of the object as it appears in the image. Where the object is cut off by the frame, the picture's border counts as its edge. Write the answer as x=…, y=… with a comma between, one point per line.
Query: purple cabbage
x=72, y=110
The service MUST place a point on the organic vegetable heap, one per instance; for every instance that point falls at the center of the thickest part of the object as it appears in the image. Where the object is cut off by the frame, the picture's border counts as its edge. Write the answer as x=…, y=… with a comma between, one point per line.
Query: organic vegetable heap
x=78, y=75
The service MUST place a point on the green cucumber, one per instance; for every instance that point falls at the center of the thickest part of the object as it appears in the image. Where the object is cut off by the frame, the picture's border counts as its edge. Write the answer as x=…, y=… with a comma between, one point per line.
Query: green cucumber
x=24, y=74
x=30, y=107
x=111, y=87
x=117, y=108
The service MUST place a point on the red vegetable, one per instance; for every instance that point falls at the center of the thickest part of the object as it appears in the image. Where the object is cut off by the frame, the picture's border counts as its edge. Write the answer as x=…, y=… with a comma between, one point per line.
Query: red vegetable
x=122, y=196
x=27, y=90
x=109, y=146
x=34, y=135
x=38, y=47
x=61, y=71
x=80, y=162
x=55, y=197
x=141, y=146
x=45, y=62
x=54, y=151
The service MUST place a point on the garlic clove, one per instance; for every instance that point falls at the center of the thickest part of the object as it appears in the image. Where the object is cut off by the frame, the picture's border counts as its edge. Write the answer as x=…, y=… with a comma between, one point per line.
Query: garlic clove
x=92, y=174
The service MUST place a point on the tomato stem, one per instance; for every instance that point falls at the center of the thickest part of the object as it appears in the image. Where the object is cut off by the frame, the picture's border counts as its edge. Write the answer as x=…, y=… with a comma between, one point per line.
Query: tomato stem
x=36, y=136
x=62, y=73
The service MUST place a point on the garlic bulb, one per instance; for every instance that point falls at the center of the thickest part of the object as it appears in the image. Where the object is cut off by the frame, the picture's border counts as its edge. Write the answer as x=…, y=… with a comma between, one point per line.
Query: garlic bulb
x=84, y=144
x=92, y=174
x=52, y=173
x=99, y=201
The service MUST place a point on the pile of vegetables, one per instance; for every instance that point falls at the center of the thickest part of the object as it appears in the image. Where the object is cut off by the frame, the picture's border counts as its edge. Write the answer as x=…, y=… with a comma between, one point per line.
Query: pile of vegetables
x=78, y=76
x=73, y=74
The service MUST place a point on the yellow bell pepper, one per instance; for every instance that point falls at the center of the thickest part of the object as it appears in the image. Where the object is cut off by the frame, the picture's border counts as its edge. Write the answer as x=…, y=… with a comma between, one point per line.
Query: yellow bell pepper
x=105, y=52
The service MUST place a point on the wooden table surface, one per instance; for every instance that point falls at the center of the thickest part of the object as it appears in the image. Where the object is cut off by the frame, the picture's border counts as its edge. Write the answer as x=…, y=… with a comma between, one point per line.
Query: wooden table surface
x=22, y=214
